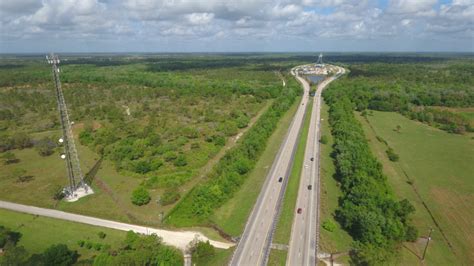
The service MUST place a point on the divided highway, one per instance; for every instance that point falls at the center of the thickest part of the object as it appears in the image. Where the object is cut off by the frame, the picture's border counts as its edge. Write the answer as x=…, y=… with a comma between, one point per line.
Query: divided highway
x=305, y=232
x=254, y=245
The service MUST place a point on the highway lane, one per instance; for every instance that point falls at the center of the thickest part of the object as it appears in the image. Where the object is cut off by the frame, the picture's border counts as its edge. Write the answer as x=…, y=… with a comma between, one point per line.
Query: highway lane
x=304, y=233
x=253, y=247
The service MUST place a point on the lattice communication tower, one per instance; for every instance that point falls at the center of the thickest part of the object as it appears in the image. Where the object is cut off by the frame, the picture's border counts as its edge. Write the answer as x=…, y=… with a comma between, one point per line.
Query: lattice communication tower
x=77, y=187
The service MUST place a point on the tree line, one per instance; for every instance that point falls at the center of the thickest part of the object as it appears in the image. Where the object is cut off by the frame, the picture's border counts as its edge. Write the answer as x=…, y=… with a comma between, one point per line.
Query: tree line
x=368, y=209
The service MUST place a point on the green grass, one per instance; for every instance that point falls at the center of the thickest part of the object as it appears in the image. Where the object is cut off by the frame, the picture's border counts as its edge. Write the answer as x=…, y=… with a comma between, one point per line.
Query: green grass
x=277, y=257
x=221, y=257
x=338, y=240
x=232, y=216
x=38, y=233
x=441, y=166
x=285, y=221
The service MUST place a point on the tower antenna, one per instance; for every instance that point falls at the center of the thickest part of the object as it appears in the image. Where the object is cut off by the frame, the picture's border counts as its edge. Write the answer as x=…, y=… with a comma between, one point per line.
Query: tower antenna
x=77, y=187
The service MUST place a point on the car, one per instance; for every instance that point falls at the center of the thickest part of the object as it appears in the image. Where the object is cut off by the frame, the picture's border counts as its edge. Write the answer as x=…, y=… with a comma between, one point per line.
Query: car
x=310, y=187
x=312, y=159
x=299, y=210
x=280, y=179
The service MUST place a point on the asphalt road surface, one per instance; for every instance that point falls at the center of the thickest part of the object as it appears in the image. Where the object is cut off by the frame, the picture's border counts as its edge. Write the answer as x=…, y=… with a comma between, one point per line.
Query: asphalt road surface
x=304, y=232
x=173, y=238
x=254, y=245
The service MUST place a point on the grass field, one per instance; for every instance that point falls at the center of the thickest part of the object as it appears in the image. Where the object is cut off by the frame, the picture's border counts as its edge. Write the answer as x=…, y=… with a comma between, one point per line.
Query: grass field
x=277, y=257
x=38, y=233
x=440, y=167
x=338, y=240
x=232, y=216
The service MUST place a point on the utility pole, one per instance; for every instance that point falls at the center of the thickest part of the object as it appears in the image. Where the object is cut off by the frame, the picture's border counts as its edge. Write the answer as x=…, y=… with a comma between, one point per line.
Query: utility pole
x=427, y=242
x=77, y=187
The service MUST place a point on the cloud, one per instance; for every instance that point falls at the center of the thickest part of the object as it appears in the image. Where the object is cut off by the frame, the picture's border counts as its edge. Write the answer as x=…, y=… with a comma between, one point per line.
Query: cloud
x=249, y=21
x=411, y=6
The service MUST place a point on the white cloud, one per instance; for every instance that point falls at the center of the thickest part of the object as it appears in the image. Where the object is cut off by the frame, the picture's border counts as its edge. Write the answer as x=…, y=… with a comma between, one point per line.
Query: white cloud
x=411, y=6
x=251, y=20
x=200, y=18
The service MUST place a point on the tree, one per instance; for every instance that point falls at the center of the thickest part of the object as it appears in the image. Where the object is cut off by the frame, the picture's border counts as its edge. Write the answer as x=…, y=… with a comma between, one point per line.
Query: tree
x=16, y=256
x=9, y=158
x=140, y=196
x=202, y=251
x=45, y=147
x=59, y=255
x=22, y=140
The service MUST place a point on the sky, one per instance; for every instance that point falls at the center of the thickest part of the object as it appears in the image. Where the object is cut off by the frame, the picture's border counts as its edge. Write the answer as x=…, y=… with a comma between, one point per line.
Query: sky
x=32, y=26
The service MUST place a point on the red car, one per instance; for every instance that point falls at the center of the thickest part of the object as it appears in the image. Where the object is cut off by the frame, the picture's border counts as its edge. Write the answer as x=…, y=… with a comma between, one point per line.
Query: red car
x=299, y=210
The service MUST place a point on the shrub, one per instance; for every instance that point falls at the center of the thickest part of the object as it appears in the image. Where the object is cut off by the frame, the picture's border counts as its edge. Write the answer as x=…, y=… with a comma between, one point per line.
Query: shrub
x=202, y=251
x=170, y=156
x=170, y=196
x=97, y=246
x=101, y=235
x=59, y=255
x=9, y=158
x=45, y=147
x=329, y=226
x=180, y=161
x=324, y=139
x=81, y=243
x=140, y=196
x=88, y=245
x=392, y=156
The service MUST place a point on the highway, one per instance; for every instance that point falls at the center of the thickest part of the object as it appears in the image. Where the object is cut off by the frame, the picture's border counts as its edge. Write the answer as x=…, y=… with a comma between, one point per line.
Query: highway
x=305, y=229
x=254, y=245
x=179, y=239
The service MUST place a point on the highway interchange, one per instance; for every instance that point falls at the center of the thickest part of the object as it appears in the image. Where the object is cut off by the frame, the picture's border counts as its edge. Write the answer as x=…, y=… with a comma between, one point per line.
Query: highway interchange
x=254, y=245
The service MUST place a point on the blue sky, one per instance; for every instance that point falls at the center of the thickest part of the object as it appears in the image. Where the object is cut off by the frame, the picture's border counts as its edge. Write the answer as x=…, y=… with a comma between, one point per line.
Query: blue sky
x=236, y=25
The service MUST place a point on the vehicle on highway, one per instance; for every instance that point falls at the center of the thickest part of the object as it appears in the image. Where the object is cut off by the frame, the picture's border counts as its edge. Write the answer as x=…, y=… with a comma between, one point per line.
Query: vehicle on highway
x=312, y=159
x=280, y=179
x=310, y=187
x=299, y=210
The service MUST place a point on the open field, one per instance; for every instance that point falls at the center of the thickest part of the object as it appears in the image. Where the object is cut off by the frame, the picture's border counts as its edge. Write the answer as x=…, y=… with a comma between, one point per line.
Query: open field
x=338, y=240
x=38, y=233
x=439, y=166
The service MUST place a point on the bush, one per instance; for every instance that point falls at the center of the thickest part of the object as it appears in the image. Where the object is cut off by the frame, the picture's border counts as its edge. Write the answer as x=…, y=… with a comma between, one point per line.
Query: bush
x=97, y=246
x=58, y=192
x=140, y=196
x=180, y=161
x=59, y=255
x=392, y=156
x=101, y=235
x=81, y=243
x=323, y=139
x=88, y=245
x=202, y=251
x=170, y=196
x=170, y=156
x=45, y=147
x=329, y=226
x=9, y=158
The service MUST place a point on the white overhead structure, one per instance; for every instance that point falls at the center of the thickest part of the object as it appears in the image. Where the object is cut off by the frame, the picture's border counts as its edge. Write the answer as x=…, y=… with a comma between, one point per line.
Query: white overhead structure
x=320, y=63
